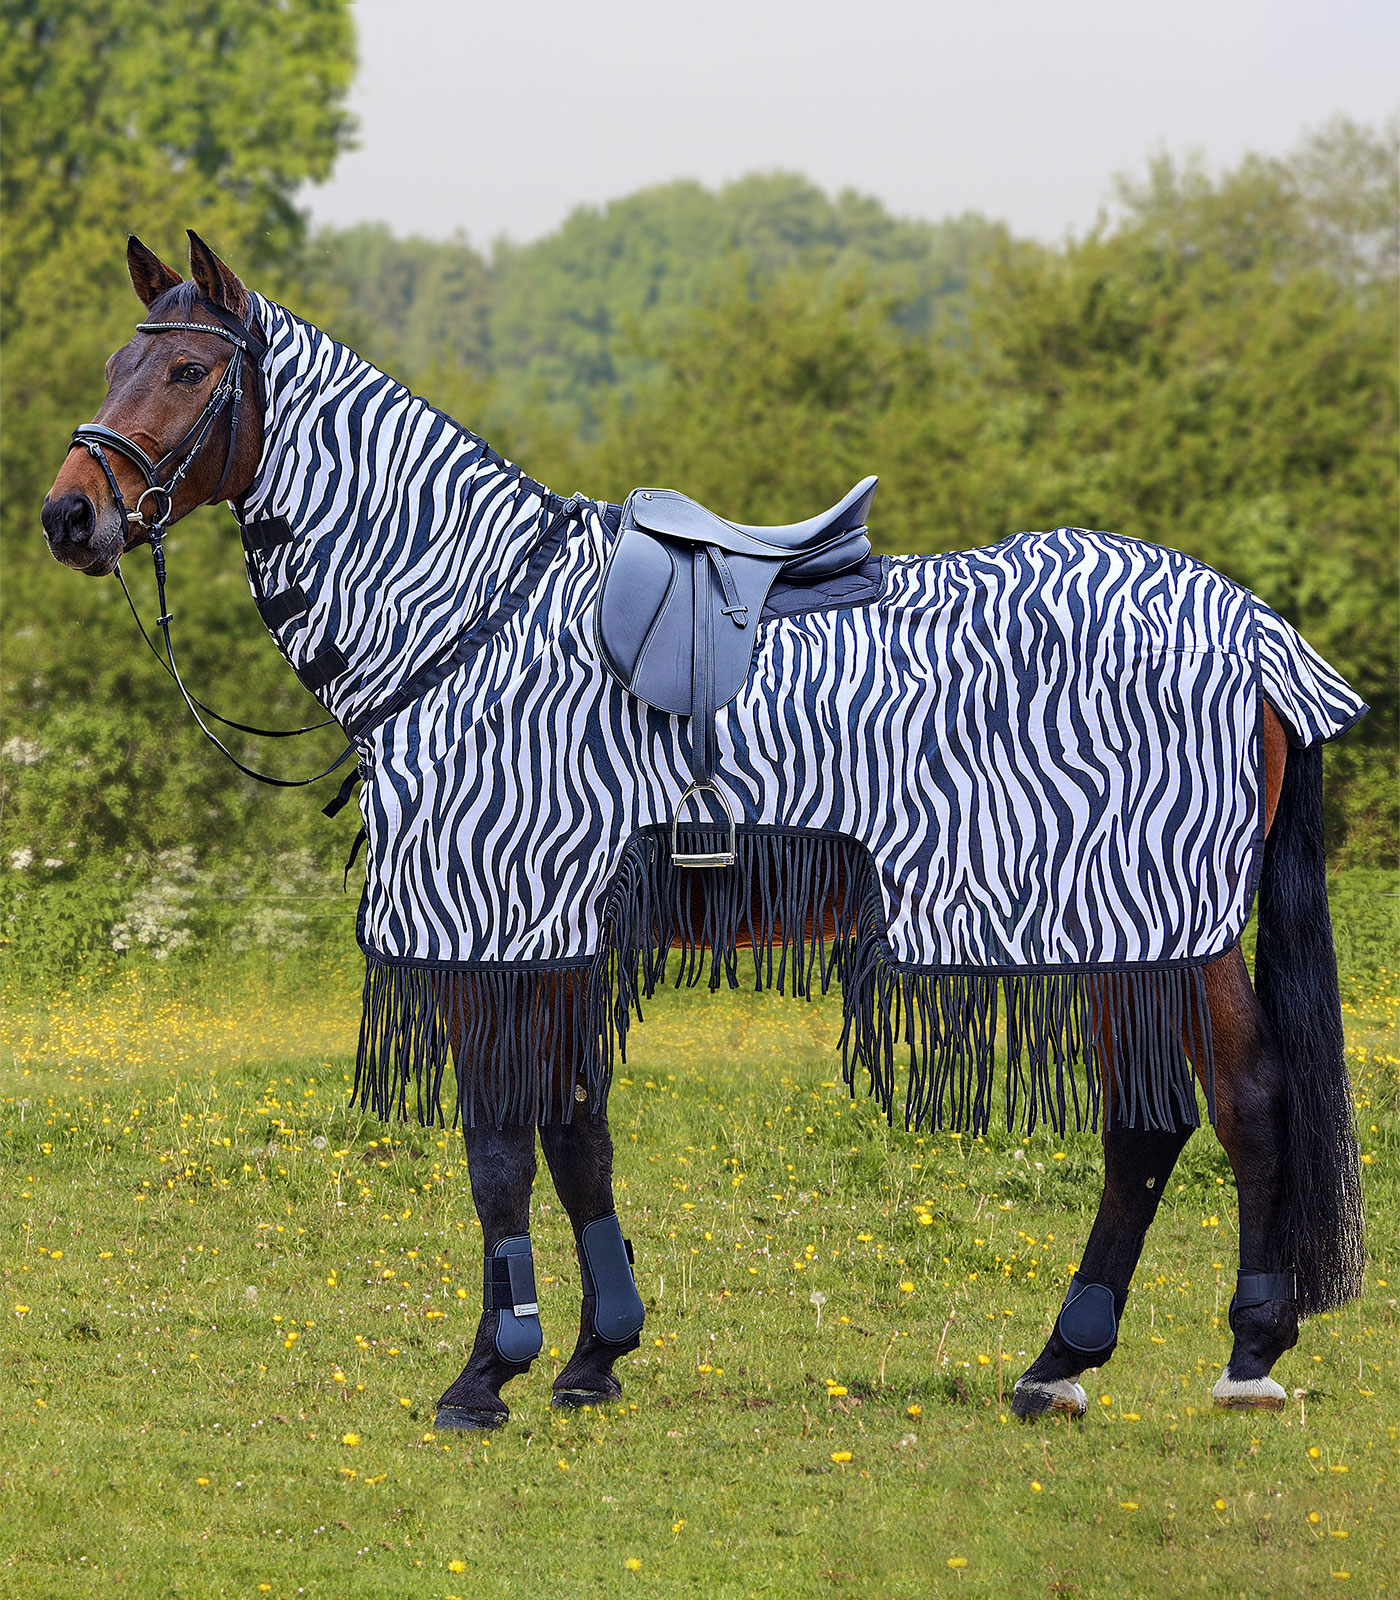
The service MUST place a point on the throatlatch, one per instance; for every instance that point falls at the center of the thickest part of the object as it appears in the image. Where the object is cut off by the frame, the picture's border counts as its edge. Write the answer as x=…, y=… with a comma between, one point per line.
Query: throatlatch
x=1258, y=1288
x=605, y=1261
x=510, y=1290
x=1088, y=1322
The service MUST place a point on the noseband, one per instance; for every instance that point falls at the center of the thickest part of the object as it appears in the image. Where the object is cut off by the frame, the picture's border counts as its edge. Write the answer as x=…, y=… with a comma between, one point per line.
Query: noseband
x=97, y=440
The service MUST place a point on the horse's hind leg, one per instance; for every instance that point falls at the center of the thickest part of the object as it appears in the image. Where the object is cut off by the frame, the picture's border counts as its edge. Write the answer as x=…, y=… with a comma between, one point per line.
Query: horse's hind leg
x=1137, y=1165
x=580, y=1155
x=1251, y=1122
x=501, y=1162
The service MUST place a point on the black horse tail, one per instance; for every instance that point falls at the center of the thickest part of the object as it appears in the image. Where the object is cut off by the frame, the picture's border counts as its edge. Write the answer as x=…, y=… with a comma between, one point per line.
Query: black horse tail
x=1295, y=976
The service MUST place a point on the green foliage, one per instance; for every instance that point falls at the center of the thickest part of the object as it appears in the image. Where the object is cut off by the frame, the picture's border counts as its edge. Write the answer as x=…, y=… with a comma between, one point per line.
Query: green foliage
x=412, y=306
x=1213, y=372
x=566, y=322
x=146, y=118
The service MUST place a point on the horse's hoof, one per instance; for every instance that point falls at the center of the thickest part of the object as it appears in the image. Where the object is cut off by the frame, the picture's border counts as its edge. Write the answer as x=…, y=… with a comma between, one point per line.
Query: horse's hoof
x=576, y=1399
x=468, y=1419
x=1033, y=1397
x=1248, y=1394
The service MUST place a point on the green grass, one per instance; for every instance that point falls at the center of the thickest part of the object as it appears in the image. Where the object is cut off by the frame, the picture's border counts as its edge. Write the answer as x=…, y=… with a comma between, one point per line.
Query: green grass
x=230, y=1306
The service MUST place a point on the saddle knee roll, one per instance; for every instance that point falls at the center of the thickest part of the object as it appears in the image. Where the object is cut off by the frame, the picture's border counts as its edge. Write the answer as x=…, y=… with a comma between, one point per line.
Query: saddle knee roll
x=1088, y=1320
x=509, y=1290
x=605, y=1262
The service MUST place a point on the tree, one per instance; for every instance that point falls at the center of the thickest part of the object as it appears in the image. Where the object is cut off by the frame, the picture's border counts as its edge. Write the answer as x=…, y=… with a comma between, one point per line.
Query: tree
x=133, y=116
x=1213, y=370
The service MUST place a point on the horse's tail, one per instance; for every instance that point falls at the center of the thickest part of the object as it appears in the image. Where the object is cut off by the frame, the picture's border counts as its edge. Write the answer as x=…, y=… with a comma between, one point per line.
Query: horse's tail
x=1295, y=972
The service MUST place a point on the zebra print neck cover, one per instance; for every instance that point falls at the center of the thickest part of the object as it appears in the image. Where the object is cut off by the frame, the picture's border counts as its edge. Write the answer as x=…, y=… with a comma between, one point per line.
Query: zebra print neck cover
x=1015, y=795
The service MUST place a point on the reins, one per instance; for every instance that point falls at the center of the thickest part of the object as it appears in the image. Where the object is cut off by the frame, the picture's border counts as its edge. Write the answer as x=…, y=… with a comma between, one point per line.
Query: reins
x=97, y=440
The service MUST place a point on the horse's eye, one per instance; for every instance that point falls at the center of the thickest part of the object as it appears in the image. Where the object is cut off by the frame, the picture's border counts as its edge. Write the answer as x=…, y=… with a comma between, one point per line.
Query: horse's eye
x=188, y=372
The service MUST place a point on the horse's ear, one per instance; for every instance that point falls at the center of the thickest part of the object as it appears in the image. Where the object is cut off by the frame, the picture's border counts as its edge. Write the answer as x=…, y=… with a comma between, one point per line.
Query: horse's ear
x=150, y=277
x=216, y=283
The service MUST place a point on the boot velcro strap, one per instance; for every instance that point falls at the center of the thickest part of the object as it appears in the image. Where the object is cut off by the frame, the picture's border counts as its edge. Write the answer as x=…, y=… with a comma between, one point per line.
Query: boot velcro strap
x=1255, y=1288
x=510, y=1285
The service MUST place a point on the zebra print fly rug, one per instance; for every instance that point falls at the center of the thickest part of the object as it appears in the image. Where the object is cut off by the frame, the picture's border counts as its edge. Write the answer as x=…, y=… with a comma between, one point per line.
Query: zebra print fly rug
x=1007, y=792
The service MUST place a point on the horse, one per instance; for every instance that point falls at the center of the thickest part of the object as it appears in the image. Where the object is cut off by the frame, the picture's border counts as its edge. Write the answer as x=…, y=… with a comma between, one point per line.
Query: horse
x=191, y=417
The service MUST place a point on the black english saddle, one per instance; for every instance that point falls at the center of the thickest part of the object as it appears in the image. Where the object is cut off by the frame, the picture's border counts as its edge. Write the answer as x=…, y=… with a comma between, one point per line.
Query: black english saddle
x=679, y=608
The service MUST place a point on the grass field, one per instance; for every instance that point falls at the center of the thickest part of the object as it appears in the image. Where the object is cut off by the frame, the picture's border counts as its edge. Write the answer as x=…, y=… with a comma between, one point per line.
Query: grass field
x=230, y=1306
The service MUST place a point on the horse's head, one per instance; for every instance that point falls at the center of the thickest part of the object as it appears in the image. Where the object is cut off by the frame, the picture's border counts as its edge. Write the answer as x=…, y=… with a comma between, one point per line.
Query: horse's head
x=172, y=432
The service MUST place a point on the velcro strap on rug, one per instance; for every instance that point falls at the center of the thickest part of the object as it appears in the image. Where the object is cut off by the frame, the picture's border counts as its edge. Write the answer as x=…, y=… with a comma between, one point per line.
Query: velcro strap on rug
x=265, y=533
x=325, y=666
x=279, y=609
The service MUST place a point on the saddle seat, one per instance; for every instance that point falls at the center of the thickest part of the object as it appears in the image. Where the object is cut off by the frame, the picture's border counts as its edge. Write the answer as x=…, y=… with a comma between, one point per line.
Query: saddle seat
x=678, y=612
x=673, y=515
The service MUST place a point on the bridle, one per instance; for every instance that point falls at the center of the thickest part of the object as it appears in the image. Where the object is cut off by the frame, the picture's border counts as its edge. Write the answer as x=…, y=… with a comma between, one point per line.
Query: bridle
x=97, y=440
x=93, y=436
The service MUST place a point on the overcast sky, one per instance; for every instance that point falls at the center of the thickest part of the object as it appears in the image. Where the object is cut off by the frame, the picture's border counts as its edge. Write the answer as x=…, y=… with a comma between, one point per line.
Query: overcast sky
x=501, y=119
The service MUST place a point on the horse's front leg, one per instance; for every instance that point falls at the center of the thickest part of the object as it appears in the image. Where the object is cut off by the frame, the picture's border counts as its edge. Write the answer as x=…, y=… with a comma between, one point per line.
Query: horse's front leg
x=580, y=1155
x=501, y=1162
x=1136, y=1168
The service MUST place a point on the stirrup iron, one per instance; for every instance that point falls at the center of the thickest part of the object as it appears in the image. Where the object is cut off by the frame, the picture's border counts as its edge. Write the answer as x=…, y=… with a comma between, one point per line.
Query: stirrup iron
x=702, y=858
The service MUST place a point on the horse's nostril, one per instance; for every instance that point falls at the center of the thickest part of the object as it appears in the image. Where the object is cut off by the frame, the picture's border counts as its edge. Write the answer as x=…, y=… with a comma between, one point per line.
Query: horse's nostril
x=69, y=520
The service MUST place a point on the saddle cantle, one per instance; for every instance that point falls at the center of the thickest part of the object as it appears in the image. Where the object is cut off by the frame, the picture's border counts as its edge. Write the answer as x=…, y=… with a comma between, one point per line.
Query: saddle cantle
x=678, y=612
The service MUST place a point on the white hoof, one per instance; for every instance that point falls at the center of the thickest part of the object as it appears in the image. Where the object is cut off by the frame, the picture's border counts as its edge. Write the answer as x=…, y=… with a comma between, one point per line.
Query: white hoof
x=1032, y=1397
x=1248, y=1394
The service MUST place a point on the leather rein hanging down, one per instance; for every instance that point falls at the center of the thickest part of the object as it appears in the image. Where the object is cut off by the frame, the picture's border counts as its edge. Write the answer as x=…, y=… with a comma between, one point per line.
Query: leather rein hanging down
x=97, y=440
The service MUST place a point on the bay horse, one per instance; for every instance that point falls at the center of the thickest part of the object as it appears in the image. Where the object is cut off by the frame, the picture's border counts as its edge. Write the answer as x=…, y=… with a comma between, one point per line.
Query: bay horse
x=176, y=432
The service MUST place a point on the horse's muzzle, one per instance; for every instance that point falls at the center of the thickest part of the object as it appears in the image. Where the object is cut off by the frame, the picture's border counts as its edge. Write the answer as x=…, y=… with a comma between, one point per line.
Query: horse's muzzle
x=78, y=536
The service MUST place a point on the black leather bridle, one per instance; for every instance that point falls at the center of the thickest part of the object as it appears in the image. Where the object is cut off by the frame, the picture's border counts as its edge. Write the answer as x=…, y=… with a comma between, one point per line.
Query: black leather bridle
x=93, y=436
x=97, y=439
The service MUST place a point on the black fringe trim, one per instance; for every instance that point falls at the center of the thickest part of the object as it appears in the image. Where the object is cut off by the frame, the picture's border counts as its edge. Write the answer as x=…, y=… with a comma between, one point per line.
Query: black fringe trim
x=528, y=1039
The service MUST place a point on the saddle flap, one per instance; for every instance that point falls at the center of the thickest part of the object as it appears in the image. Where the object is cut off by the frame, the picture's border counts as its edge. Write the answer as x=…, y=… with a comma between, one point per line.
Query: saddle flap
x=640, y=575
x=646, y=621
